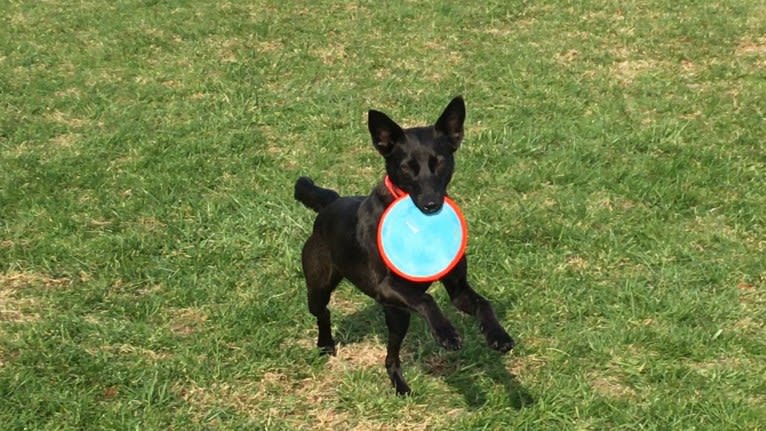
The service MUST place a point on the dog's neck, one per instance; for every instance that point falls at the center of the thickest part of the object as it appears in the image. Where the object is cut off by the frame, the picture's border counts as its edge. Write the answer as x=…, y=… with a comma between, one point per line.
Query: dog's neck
x=392, y=188
x=387, y=192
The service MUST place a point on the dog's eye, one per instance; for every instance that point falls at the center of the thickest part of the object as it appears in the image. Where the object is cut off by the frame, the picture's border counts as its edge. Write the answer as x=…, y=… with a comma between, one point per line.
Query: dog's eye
x=435, y=163
x=410, y=168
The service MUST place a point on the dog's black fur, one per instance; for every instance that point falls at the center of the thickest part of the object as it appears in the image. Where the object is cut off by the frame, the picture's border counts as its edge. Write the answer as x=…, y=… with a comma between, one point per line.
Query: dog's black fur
x=420, y=161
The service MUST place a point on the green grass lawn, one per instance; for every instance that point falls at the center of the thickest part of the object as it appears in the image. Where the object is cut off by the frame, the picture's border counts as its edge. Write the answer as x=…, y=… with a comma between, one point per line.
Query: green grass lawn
x=613, y=176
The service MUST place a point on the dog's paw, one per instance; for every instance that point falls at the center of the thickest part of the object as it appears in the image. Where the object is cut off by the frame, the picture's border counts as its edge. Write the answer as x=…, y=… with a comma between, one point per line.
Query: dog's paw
x=499, y=340
x=327, y=350
x=449, y=338
x=403, y=392
x=402, y=389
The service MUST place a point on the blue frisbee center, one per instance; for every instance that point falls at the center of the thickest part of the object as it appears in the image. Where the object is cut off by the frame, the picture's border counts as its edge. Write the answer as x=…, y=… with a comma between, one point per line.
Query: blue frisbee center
x=421, y=245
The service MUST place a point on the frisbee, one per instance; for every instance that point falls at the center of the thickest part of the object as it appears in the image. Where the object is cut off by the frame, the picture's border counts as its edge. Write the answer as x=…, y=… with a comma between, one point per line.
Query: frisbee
x=421, y=247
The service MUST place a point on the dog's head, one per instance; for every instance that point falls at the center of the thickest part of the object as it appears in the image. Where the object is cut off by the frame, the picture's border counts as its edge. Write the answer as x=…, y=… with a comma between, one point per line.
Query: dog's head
x=420, y=160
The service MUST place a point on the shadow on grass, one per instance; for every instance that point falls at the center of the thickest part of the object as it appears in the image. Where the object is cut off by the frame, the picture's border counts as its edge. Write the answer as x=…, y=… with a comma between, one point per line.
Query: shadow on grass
x=464, y=370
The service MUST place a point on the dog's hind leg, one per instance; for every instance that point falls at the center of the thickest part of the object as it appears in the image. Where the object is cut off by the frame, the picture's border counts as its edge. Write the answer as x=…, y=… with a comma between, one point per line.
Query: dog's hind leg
x=321, y=280
x=398, y=321
x=468, y=301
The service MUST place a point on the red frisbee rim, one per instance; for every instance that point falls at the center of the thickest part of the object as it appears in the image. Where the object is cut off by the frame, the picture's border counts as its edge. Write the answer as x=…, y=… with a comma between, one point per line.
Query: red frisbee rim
x=430, y=278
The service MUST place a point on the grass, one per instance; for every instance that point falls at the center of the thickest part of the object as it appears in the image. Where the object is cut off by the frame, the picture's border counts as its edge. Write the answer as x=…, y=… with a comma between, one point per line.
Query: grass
x=612, y=177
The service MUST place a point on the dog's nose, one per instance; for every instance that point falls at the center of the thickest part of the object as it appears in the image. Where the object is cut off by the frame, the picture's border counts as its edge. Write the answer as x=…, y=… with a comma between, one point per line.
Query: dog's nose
x=431, y=206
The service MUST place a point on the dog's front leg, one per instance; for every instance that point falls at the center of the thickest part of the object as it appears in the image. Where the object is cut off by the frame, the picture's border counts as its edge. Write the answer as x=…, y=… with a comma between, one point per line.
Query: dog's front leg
x=414, y=298
x=468, y=301
x=398, y=321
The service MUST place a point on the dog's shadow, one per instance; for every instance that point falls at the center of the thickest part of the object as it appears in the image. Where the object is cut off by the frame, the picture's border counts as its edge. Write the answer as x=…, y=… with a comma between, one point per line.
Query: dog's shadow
x=463, y=370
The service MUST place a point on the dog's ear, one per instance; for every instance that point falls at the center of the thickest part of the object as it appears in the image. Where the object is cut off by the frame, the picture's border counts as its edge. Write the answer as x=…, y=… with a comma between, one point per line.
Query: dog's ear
x=450, y=123
x=384, y=131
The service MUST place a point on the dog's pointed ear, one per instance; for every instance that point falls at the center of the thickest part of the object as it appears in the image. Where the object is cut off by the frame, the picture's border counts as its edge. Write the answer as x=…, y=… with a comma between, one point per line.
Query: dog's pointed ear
x=384, y=131
x=450, y=123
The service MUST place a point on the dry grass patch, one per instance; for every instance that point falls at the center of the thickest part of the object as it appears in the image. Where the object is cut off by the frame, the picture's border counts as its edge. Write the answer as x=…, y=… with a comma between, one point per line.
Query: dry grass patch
x=433, y=62
x=440, y=366
x=344, y=305
x=748, y=47
x=567, y=57
x=611, y=387
x=752, y=301
x=15, y=309
x=751, y=295
x=627, y=71
x=150, y=224
x=574, y=264
x=610, y=382
x=368, y=353
x=306, y=341
x=602, y=201
x=724, y=364
x=524, y=365
x=500, y=32
x=315, y=402
x=755, y=50
x=274, y=399
x=227, y=49
x=65, y=140
x=186, y=321
x=22, y=280
x=129, y=349
x=331, y=54
x=629, y=360
x=14, y=306
x=269, y=46
x=749, y=325
x=67, y=120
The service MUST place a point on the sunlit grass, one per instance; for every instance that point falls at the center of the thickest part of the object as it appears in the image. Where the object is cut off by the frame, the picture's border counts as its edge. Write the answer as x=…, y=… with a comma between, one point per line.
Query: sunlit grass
x=612, y=177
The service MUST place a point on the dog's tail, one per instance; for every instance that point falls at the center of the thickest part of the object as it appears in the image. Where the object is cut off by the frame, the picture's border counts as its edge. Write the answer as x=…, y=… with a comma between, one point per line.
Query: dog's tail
x=313, y=196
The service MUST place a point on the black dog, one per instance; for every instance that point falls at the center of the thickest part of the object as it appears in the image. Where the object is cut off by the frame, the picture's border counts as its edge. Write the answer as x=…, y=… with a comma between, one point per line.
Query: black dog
x=420, y=161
